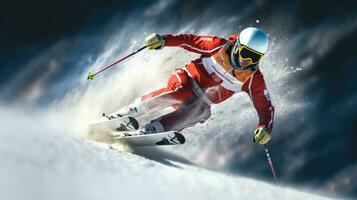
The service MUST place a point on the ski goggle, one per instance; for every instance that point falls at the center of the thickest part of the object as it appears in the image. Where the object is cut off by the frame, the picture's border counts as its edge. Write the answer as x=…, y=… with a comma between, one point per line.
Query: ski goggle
x=249, y=54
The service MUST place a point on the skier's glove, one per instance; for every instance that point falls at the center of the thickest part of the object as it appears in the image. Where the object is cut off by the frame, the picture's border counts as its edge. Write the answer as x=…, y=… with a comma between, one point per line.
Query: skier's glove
x=261, y=135
x=155, y=41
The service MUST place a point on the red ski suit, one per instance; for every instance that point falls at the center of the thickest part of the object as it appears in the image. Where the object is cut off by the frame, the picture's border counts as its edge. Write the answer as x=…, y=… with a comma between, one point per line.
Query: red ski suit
x=211, y=80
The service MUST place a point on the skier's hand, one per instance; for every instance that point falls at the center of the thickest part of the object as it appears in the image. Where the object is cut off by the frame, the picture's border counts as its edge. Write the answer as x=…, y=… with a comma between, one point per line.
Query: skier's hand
x=155, y=41
x=261, y=135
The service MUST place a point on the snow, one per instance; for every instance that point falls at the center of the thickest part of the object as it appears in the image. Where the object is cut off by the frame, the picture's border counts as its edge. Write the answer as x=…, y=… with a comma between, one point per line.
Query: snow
x=42, y=160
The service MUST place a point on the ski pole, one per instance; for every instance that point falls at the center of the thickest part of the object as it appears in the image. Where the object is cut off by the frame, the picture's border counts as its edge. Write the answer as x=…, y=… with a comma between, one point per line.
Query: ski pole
x=91, y=75
x=270, y=162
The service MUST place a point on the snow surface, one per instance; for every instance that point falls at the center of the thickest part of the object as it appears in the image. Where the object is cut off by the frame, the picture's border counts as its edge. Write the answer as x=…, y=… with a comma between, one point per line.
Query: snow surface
x=42, y=160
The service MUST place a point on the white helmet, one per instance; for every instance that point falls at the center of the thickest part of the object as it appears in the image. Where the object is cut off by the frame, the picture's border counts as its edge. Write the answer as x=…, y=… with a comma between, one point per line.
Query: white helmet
x=253, y=38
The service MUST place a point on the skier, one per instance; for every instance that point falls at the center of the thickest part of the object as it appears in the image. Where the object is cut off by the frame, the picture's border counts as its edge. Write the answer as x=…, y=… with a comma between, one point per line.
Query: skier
x=224, y=68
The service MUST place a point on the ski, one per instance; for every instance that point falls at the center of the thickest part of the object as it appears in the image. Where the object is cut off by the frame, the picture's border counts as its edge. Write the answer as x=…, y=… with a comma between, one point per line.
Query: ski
x=139, y=138
x=107, y=124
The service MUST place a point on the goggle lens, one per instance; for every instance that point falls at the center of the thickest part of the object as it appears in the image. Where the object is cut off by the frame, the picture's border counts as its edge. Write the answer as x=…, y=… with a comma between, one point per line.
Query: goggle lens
x=247, y=53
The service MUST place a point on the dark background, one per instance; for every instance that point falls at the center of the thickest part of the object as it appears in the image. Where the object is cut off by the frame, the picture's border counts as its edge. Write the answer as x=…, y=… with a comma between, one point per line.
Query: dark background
x=27, y=28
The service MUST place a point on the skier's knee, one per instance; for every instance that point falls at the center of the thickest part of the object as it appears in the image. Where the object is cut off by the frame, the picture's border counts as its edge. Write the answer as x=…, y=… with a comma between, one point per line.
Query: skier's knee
x=179, y=80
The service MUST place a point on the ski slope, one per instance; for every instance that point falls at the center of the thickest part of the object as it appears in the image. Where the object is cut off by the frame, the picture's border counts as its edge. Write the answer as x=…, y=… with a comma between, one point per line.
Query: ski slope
x=45, y=153
x=41, y=160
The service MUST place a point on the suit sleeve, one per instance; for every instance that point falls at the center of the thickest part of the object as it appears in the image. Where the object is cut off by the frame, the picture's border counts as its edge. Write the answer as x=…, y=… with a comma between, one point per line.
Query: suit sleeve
x=256, y=89
x=204, y=45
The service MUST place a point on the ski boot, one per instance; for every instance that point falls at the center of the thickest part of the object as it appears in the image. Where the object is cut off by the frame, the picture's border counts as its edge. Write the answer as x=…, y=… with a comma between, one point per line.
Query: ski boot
x=134, y=110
